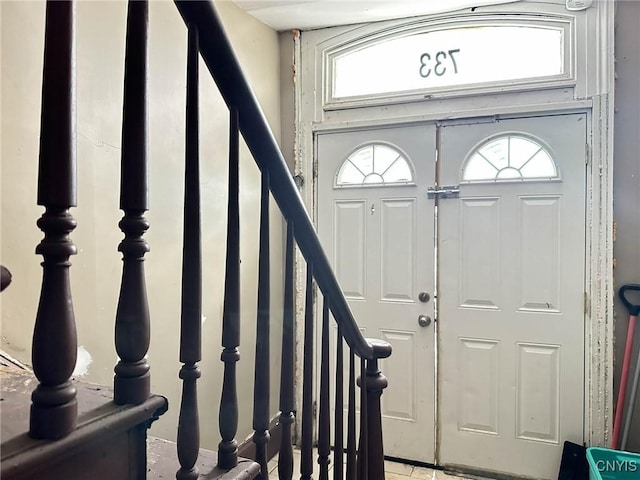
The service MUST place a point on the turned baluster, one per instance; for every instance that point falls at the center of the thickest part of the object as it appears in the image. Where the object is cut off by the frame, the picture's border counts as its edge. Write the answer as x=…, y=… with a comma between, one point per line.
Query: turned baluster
x=324, y=427
x=338, y=446
x=261, y=375
x=132, y=381
x=306, y=459
x=188, y=441
x=228, y=416
x=363, y=444
x=54, y=405
x=351, y=419
x=285, y=456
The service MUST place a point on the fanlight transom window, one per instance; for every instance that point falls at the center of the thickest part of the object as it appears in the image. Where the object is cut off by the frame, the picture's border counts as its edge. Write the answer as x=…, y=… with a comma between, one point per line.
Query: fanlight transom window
x=375, y=164
x=510, y=157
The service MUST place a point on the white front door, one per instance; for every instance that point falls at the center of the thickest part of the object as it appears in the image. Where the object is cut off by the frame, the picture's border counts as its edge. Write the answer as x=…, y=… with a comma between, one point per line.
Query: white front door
x=511, y=293
x=377, y=227
x=510, y=276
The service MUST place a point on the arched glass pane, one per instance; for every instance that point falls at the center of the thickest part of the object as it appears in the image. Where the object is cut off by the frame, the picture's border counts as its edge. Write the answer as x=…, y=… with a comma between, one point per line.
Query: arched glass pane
x=497, y=153
x=478, y=168
x=384, y=157
x=508, y=173
x=445, y=58
x=376, y=164
x=363, y=159
x=539, y=166
x=398, y=172
x=373, y=178
x=521, y=151
x=509, y=157
x=350, y=175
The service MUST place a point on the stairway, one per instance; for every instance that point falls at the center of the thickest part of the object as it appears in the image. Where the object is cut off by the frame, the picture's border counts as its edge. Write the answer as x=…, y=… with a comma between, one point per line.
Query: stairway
x=107, y=433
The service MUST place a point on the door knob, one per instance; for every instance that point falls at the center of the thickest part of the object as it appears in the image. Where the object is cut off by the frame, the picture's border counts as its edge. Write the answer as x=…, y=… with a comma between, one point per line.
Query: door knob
x=424, y=320
x=424, y=297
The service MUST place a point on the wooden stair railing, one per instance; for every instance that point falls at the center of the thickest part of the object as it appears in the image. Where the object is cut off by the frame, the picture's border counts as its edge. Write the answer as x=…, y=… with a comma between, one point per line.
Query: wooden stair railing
x=65, y=441
x=366, y=460
x=54, y=407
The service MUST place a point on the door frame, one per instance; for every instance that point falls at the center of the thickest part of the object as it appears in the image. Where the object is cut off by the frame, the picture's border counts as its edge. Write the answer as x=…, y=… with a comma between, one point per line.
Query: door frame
x=593, y=95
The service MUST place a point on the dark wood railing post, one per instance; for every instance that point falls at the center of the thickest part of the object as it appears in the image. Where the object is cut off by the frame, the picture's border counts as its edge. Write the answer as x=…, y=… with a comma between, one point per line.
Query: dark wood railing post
x=375, y=383
x=188, y=441
x=338, y=446
x=363, y=444
x=54, y=408
x=261, y=371
x=351, y=419
x=285, y=456
x=324, y=422
x=228, y=415
x=132, y=381
x=306, y=447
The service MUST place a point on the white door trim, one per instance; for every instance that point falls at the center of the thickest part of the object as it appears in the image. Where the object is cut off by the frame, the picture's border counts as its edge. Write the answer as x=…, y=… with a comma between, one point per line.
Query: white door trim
x=599, y=338
x=596, y=96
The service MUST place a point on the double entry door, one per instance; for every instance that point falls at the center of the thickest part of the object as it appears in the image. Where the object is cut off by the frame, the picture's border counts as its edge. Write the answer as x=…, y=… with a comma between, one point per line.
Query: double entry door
x=463, y=246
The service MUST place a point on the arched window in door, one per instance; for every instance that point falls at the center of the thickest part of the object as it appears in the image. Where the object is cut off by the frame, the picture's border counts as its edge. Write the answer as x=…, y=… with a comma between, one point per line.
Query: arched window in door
x=375, y=164
x=510, y=157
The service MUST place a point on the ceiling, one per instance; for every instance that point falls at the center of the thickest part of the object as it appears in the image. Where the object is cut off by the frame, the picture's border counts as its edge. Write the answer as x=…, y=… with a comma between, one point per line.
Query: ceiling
x=309, y=14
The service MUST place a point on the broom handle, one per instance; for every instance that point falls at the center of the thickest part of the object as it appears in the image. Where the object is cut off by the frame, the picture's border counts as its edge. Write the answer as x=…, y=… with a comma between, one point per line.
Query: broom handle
x=634, y=311
x=622, y=392
x=631, y=406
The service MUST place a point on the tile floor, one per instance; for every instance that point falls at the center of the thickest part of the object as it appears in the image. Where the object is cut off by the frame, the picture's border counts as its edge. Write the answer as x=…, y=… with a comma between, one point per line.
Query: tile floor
x=393, y=470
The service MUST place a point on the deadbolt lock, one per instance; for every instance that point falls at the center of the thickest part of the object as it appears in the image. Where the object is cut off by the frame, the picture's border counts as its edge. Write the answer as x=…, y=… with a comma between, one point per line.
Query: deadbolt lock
x=424, y=297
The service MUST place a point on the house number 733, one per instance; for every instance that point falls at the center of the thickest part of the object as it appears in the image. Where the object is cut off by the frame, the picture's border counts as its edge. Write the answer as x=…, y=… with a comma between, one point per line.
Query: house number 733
x=438, y=64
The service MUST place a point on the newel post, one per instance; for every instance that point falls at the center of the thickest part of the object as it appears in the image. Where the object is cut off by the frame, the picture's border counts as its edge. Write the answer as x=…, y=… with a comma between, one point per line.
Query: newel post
x=375, y=383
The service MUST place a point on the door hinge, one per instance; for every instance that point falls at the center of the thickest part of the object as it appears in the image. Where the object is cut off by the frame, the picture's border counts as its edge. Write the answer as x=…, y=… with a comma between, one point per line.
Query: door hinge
x=587, y=153
x=586, y=303
x=446, y=191
x=315, y=409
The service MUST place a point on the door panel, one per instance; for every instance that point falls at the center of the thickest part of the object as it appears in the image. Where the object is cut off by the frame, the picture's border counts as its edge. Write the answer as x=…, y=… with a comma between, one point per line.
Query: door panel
x=510, y=286
x=379, y=237
x=510, y=292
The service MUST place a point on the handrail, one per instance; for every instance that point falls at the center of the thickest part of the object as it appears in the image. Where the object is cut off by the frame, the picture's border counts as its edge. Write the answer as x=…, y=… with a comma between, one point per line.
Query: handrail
x=218, y=55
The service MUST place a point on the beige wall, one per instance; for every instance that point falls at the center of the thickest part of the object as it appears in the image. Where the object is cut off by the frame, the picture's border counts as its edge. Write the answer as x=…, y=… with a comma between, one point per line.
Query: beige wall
x=96, y=269
x=288, y=76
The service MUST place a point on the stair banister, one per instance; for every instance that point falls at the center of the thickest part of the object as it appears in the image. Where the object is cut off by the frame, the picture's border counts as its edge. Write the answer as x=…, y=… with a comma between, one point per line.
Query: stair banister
x=218, y=55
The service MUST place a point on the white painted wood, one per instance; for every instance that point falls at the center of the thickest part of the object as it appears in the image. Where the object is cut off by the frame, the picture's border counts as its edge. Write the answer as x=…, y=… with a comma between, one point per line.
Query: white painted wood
x=511, y=305
x=380, y=242
x=600, y=286
x=593, y=93
x=318, y=44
